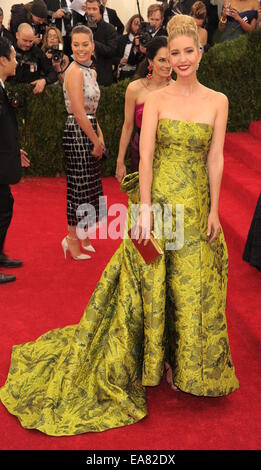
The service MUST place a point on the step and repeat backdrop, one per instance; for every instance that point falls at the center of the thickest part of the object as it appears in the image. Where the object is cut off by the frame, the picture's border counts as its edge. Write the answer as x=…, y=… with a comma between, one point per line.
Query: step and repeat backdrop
x=124, y=8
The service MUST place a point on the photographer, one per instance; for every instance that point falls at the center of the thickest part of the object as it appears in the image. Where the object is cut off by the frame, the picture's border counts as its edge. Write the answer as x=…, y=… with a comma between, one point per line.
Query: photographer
x=128, y=54
x=34, y=13
x=155, y=15
x=33, y=66
x=60, y=15
x=53, y=49
x=105, y=40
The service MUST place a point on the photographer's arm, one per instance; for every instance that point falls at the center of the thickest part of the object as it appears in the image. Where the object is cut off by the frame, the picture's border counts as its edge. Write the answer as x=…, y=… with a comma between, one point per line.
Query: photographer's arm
x=74, y=87
x=50, y=75
x=61, y=67
x=130, y=101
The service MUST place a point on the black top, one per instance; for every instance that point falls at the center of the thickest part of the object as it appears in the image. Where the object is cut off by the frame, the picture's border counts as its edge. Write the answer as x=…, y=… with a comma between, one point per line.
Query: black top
x=133, y=58
x=10, y=160
x=4, y=33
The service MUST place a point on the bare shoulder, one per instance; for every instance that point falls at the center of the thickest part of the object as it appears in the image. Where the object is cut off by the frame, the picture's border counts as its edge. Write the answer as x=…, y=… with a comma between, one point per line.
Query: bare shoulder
x=156, y=95
x=135, y=86
x=216, y=97
x=73, y=72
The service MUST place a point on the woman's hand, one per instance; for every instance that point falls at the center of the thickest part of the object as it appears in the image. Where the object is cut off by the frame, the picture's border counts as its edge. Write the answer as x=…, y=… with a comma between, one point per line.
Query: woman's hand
x=120, y=171
x=98, y=149
x=144, y=225
x=234, y=14
x=224, y=13
x=214, y=226
x=49, y=55
x=25, y=162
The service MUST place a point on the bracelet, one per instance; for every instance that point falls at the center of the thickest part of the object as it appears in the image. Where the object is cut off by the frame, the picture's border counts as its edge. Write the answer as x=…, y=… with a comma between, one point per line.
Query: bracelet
x=223, y=21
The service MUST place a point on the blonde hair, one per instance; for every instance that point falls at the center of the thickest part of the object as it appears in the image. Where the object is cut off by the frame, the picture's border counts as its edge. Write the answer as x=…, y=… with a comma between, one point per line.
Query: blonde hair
x=183, y=25
x=199, y=10
x=45, y=39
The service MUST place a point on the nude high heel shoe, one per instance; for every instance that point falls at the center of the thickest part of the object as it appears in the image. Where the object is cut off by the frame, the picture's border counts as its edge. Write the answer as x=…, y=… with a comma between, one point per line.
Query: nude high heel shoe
x=66, y=248
x=89, y=248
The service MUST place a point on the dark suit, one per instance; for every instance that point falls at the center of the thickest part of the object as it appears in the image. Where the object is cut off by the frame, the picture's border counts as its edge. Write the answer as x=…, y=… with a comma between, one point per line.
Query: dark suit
x=161, y=32
x=10, y=162
x=115, y=20
x=53, y=6
x=122, y=43
x=133, y=59
x=106, y=42
x=4, y=33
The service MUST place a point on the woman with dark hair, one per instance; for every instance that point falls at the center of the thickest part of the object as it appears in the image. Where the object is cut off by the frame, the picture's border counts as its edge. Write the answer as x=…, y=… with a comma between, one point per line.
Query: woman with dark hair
x=153, y=74
x=128, y=55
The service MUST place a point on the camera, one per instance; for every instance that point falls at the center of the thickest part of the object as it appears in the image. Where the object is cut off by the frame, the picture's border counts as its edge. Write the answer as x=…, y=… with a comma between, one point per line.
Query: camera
x=25, y=60
x=39, y=30
x=57, y=53
x=90, y=22
x=67, y=19
x=145, y=33
x=16, y=101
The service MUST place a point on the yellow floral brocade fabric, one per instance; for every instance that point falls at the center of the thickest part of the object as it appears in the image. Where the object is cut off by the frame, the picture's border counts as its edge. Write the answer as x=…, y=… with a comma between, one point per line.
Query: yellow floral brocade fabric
x=92, y=376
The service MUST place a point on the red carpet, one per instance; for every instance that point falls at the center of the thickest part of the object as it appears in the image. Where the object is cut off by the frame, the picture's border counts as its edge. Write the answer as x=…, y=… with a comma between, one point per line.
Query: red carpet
x=51, y=292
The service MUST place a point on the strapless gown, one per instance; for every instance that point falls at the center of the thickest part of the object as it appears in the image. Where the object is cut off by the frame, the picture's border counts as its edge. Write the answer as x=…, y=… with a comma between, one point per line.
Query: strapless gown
x=233, y=28
x=92, y=376
x=134, y=147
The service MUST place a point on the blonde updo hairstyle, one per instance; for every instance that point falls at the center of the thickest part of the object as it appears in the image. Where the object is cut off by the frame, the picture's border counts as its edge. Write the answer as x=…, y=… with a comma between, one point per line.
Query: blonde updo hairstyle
x=183, y=25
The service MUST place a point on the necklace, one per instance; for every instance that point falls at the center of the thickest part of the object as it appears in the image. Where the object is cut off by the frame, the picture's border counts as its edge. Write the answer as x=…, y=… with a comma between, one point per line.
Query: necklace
x=148, y=84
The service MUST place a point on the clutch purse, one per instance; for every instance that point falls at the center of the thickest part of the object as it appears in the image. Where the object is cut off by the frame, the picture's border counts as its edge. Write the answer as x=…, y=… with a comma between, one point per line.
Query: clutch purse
x=150, y=251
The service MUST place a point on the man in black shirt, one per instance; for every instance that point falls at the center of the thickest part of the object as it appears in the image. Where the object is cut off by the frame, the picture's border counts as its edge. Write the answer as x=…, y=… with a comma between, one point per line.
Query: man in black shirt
x=11, y=157
x=34, y=13
x=105, y=39
x=33, y=65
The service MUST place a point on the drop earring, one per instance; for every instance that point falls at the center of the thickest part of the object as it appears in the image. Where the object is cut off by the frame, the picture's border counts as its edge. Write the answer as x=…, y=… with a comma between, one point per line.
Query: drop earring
x=149, y=74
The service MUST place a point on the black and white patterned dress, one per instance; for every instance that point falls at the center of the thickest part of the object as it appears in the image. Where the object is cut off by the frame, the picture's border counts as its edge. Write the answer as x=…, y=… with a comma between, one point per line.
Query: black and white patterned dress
x=84, y=184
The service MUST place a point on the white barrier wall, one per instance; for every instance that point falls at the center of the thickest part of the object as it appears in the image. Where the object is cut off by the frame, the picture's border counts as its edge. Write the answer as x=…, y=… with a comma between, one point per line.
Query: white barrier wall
x=124, y=8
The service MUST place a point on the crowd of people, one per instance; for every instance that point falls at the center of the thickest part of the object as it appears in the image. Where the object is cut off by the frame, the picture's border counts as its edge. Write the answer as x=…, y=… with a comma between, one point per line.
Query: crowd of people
x=117, y=54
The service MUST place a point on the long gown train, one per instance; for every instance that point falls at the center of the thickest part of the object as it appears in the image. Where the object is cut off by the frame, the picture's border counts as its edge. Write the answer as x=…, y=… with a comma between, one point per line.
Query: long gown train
x=92, y=376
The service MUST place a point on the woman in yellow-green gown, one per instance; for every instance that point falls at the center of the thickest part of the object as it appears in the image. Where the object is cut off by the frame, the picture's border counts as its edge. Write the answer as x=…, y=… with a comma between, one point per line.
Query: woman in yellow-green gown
x=92, y=376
